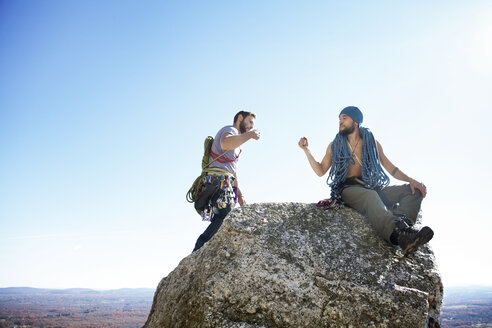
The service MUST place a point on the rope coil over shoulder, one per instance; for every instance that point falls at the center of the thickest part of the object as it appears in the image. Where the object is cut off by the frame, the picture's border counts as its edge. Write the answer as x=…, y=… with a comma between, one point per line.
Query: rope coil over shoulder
x=192, y=194
x=372, y=172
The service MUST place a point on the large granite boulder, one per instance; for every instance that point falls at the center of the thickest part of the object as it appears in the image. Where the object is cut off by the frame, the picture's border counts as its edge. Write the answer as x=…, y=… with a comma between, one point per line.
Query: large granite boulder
x=295, y=265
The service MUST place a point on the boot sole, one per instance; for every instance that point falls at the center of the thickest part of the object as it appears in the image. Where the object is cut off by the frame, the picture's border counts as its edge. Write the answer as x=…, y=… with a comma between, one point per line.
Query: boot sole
x=423, y=236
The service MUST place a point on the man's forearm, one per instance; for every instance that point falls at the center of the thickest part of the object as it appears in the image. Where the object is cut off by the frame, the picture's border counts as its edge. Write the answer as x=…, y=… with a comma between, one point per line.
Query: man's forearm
x=316, y=166
x=398, y=174
x=233, y=142
x=414, y=184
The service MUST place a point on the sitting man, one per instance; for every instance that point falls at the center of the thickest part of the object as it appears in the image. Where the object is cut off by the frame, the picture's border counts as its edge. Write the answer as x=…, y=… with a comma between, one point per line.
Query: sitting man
x=357, y=179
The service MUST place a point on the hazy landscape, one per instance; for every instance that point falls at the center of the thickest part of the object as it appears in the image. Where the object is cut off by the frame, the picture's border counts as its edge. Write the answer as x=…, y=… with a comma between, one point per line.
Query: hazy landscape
x=31, y=307
x=467, y=307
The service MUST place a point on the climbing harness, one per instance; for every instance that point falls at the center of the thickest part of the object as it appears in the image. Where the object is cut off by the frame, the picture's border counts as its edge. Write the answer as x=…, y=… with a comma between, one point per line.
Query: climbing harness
x=218, y=193
x=197, y=186
x=213, y=189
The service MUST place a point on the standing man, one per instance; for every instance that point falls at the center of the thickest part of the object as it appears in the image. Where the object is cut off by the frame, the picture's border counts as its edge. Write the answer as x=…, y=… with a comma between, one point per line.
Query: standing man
x=357, y=179
x=224, y=155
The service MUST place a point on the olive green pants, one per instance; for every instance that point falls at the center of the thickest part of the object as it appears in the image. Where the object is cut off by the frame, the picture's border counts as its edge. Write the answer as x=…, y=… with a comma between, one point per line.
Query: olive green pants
x=368, y=202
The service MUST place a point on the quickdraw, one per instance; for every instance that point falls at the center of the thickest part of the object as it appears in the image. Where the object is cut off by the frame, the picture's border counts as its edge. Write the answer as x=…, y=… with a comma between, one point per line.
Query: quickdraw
x=333, y=203
x=226, y=195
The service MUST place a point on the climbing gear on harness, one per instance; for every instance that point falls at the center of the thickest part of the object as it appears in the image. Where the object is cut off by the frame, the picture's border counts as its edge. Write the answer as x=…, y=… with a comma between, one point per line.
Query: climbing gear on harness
x=333, y=203
x=227, y=195
x=197, y=186
x=218, y=194
x=409, y=238
x=205, y=188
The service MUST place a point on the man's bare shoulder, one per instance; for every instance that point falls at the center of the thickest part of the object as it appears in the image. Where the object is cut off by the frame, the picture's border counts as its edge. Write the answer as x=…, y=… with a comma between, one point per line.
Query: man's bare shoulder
x=378, y=144
x=328, y=149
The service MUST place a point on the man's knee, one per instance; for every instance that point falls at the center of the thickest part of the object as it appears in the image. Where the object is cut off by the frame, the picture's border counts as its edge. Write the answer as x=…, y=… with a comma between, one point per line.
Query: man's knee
x=416, y=194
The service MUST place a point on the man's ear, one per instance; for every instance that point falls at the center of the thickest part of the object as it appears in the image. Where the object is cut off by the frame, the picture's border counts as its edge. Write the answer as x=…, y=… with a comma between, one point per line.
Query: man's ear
x=240, y=118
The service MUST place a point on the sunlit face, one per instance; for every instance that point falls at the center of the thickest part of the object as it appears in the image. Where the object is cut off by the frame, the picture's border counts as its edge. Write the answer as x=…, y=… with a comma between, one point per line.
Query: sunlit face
x=247, y=124
x=346, y=124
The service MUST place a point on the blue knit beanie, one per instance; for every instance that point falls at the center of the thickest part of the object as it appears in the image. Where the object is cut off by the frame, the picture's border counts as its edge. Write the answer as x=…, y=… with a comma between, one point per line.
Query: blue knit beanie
x=354, y=113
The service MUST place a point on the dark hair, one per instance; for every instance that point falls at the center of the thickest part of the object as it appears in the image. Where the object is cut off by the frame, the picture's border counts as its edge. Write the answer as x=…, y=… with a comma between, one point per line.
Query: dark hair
x=244, y=114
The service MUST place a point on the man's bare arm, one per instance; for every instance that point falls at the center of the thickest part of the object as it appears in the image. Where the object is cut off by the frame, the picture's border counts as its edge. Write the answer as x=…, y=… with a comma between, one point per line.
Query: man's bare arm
x=240, y=197
x=229, y=141
x=398, y=174
x=319, y=168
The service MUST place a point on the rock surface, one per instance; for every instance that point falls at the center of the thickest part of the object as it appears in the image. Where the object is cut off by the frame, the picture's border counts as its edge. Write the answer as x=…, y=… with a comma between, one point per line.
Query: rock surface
x=295, y=265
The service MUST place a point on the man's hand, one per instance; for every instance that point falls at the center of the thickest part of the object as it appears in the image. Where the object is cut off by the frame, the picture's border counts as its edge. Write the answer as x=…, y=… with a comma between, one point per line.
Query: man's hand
x=418, y=185
x=229, y=141
x=241, y=200
x=254, y=134
x=303, y=143
x=319, y=168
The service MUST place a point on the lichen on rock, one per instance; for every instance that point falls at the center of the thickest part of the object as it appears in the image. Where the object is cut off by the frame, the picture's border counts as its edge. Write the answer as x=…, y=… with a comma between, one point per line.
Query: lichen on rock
x=295, y=265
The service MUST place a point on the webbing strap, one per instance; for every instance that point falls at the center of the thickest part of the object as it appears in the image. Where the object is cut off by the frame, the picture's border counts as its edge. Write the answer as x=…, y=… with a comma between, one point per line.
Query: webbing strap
x=353, y=153
x=214, y=170
x=223, y=159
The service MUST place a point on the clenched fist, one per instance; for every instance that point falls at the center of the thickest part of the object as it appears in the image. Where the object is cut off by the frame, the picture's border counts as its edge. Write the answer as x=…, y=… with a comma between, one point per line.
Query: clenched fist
x=303, y=143
x=255, y=134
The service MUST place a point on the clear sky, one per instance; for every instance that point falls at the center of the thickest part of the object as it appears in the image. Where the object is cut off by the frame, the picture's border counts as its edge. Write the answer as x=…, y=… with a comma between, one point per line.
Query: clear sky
x=104, y=106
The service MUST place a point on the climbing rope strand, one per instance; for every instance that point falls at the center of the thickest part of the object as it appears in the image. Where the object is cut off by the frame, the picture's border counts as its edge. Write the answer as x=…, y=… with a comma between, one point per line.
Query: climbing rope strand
x=372, y=172
x=223, y=159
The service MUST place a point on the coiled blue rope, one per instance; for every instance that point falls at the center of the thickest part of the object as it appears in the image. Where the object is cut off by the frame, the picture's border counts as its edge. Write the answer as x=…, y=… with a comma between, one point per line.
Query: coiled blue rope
x=372, y=172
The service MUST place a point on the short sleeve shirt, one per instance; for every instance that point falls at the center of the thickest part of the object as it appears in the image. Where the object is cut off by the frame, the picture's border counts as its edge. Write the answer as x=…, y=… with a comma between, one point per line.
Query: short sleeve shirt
x=231, y=154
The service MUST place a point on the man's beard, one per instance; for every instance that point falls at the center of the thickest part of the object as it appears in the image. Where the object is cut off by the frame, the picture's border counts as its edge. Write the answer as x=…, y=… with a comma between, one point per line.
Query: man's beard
x=348, y=131
x=242, y=127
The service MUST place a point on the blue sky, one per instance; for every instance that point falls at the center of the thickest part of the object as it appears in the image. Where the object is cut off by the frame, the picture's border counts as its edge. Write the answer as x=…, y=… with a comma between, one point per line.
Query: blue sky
x=104, y=106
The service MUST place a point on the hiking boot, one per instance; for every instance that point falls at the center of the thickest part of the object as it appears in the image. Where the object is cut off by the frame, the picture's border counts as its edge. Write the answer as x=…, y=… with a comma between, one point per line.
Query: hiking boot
x=409, y=238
